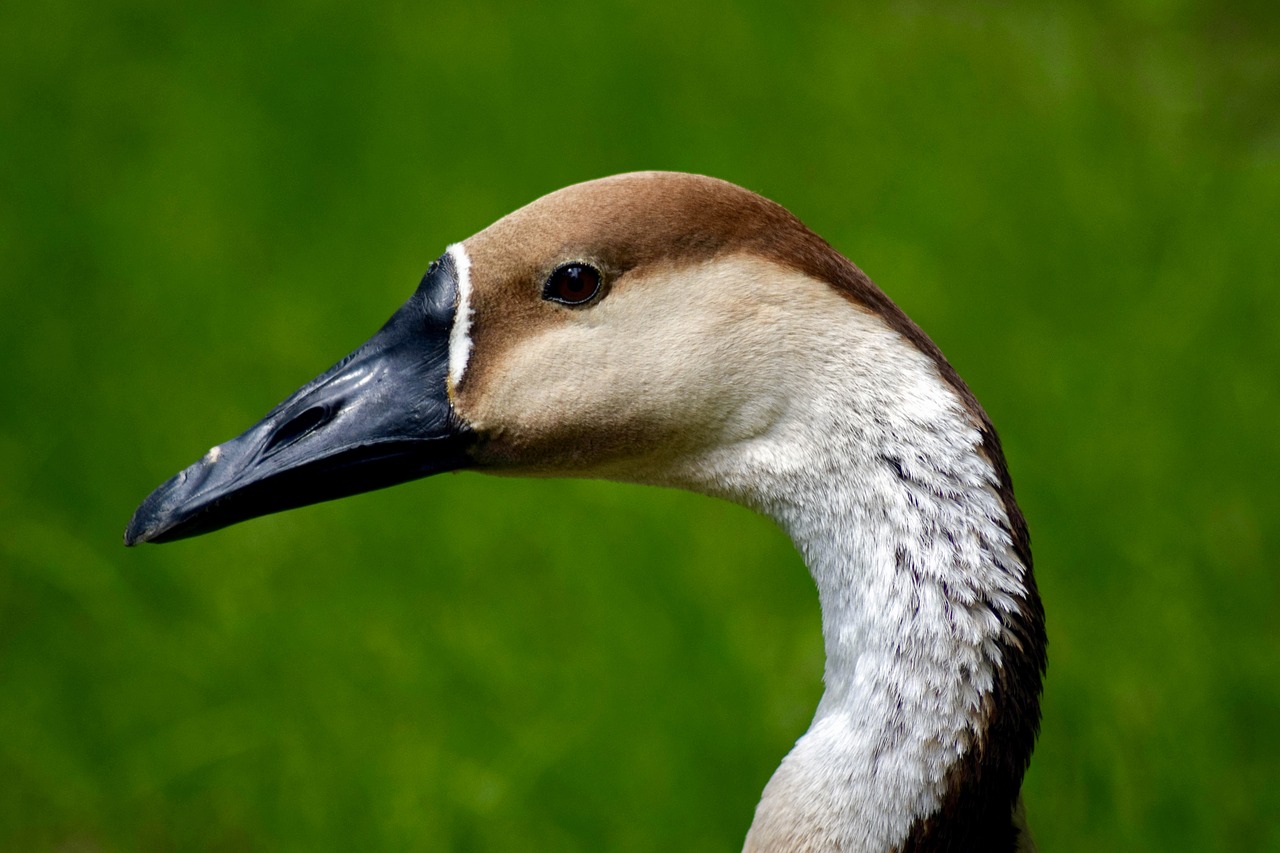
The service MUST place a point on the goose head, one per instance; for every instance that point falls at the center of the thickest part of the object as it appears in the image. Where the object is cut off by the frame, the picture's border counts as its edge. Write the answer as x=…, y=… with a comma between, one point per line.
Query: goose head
x=679, y=330
x=625, y=328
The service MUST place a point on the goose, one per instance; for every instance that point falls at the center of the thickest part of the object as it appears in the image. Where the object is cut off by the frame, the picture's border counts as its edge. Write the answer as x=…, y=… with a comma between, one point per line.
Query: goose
x=678, y=330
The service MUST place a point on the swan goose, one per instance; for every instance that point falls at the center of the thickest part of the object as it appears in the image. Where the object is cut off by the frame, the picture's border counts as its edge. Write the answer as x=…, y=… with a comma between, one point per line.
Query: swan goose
x=679, y=330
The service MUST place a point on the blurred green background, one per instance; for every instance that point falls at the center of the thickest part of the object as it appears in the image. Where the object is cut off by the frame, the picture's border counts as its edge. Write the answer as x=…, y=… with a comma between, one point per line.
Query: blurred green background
x=202, y=205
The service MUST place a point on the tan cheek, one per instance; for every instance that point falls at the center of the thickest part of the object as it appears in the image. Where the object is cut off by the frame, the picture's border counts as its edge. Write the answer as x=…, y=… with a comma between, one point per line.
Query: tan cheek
x=667, y=365
x=562, y=399
x=592, y=387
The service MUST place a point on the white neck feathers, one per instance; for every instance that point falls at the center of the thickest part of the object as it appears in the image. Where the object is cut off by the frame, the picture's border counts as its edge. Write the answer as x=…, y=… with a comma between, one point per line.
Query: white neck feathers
x=877, y=469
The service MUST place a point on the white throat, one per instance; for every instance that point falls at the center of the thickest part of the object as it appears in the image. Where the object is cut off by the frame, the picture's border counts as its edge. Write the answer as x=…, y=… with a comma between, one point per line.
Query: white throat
x=875, y=468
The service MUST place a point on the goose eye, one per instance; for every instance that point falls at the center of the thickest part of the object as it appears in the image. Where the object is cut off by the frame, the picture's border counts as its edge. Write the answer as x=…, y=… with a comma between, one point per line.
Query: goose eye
x=572, y=284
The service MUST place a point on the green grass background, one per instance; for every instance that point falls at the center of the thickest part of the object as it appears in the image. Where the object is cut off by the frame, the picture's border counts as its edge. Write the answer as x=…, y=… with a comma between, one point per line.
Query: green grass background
x=202, y=205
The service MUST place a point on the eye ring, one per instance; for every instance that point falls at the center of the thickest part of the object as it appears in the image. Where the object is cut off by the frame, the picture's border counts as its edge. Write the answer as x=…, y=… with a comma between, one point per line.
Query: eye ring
x=573, y=283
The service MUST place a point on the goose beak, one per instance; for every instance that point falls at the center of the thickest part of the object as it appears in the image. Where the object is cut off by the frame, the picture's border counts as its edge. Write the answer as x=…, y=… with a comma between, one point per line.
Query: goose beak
x=379, y=417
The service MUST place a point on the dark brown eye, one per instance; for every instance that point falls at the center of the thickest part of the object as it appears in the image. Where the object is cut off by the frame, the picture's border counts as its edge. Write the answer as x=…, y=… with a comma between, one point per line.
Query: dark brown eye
x=572, y=284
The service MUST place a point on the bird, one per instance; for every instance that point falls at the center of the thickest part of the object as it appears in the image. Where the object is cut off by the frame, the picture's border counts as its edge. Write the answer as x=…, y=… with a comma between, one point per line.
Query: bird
x=678, y=330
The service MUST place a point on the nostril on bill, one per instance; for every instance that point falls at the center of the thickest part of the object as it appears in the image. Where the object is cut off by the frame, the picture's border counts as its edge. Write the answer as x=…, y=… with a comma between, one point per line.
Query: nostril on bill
x=306, y=422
